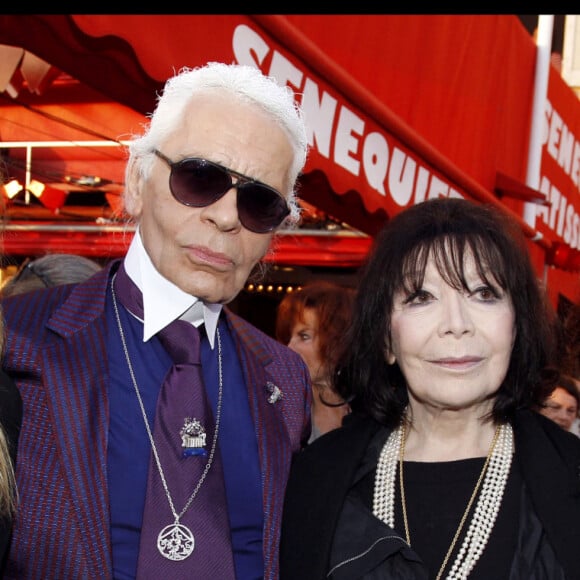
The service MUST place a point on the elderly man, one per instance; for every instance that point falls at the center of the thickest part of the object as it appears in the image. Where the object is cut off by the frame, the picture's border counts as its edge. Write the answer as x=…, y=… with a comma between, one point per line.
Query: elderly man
x=158, y=426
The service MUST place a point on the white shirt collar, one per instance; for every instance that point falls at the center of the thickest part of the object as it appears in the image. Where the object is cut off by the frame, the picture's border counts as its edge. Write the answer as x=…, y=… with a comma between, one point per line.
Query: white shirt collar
x=163, y=301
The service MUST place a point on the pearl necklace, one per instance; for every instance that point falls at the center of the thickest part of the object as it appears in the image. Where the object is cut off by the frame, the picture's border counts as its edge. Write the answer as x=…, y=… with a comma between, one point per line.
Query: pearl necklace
x=175, y=541
x=492, y=481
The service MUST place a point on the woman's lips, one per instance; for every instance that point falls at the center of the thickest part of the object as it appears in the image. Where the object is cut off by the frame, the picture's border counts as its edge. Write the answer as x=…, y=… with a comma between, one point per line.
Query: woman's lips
x=465, y=362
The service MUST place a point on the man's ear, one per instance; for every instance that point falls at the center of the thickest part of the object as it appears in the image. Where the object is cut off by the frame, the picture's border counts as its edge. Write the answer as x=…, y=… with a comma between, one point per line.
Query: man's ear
x=132, y=198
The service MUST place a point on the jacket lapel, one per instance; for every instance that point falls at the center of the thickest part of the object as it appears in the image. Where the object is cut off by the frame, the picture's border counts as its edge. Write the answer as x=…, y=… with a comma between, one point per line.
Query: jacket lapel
x=275, y=449
x=79, y=406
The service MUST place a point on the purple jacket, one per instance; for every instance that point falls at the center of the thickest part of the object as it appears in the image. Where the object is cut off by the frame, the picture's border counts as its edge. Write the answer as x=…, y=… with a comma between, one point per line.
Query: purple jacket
x=55, y=351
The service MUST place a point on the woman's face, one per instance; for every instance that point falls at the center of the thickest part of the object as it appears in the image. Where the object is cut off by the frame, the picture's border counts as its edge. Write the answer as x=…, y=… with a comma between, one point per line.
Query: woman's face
x=561, y=407
x=452, y=346
x=305, y=341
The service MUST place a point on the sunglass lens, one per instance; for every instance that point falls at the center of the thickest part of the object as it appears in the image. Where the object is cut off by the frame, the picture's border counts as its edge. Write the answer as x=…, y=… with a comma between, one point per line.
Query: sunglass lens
x=198, y=183
x=261, y=209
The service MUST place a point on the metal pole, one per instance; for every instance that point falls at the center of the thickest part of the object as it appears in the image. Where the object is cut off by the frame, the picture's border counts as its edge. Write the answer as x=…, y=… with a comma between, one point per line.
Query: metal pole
x=544, y=50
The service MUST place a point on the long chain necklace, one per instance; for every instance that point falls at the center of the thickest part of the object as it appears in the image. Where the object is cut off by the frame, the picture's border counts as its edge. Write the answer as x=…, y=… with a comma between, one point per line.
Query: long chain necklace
x=175, y=541
x=492, y=481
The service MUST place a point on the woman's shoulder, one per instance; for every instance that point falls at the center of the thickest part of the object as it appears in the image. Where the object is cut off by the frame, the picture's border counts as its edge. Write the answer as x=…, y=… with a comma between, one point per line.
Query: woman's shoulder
x=341, y=445
x=532, y=427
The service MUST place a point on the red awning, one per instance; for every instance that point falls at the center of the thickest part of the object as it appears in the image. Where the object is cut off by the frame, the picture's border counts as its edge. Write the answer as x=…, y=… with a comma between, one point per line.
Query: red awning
x=343, y=72
x=400, y=108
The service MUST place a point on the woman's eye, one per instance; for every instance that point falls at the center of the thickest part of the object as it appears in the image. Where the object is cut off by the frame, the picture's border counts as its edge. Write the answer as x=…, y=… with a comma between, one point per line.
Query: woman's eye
x=419, y=297
x=486, y=293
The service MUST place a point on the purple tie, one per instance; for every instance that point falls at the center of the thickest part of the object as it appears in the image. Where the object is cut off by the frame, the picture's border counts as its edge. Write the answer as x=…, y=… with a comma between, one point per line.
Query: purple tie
x=198, y=545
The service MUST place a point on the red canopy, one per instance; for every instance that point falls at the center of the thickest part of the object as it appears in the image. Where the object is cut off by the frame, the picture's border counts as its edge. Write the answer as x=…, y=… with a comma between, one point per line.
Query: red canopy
x=399, y=108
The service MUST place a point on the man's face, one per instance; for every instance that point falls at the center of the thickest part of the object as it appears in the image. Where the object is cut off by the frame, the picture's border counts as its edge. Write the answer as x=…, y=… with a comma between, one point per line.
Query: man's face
x=206, y=251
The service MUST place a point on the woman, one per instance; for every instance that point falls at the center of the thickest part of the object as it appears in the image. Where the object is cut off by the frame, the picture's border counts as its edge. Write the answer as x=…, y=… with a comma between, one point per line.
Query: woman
x=312, y=322
x=442, y=470
x=10, y=420
x=563, y=404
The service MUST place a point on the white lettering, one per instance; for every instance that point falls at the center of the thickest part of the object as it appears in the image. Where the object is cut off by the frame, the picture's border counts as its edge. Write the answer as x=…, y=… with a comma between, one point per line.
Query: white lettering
x=421, y=187
x=575, y=172
x=337, y=133
x=376, y=160
x=350, y=127
x=543, y=211
x=554, y=138
x=555, y=201
x=562, y=144
x=575, y=237
x=401, y=177
x=285, y=72
x=568, y=224
x=247, y=44
x=319, y=115
x=565, y=154
x=562, y=214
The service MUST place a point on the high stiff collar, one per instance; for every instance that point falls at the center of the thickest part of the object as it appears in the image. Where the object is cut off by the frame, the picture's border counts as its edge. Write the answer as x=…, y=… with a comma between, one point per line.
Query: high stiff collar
x=163, y=301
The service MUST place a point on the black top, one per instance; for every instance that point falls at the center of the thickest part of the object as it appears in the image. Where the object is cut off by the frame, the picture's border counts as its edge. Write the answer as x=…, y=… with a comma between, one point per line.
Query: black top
x=437, y=495
x=541, y=506
x=10, y=419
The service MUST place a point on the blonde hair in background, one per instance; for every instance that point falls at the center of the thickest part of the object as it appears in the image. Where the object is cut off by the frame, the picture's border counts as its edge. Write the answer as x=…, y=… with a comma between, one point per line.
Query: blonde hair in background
x=8, y=490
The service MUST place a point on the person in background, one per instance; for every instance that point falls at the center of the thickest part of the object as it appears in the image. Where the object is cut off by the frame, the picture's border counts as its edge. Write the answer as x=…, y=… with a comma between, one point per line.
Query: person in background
x=443, y=469
x=159, y=426
x=563, y=404
x=570, y=342
x=10, y=423
x=312, y=322
x=50, y=270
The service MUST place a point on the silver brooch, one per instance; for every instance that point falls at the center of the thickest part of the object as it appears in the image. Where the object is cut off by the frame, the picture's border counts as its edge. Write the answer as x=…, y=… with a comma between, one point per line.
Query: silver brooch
x=275, y=393
x=193, y=438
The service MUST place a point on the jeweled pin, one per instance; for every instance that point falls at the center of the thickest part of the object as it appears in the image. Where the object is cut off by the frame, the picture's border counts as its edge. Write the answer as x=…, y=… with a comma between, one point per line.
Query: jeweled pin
x=193, y=438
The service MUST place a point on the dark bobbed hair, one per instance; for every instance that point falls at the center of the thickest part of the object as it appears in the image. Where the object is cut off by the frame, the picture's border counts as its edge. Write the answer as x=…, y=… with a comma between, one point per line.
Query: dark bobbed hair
x=332, y=303
x=446, y=229
x=568, y=383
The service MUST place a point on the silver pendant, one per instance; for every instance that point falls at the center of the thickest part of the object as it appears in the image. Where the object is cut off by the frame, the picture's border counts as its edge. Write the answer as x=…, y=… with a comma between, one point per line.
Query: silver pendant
x=175, y=542
x=193, y=438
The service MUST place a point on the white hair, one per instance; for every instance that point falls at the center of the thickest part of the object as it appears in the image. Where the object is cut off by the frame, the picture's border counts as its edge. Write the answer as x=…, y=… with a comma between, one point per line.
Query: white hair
x=246, y=83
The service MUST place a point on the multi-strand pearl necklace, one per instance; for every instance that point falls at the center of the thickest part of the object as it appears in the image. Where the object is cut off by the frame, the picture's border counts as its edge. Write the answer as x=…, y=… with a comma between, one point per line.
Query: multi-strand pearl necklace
x=492, y=481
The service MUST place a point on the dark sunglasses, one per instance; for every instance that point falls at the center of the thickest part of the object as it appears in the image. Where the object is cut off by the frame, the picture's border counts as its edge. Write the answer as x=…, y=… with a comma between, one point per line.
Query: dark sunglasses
x=198, y=183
